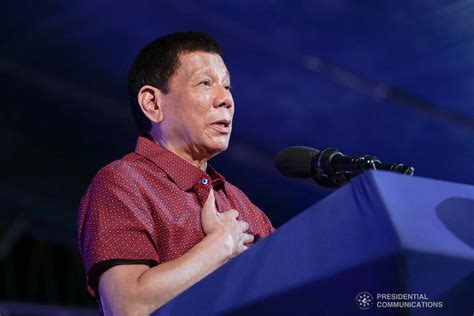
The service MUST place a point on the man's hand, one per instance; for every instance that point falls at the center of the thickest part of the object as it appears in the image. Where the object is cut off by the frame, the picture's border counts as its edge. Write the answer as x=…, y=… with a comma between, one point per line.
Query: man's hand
x=139, y=289
x=232, y=232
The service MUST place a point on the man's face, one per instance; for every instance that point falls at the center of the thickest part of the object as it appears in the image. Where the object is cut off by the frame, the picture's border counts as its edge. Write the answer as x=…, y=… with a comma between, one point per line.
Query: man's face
x=199, y=108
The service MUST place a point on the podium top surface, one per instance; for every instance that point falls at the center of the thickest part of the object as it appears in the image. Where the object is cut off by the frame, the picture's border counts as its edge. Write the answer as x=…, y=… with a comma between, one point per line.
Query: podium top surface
x=421, y=208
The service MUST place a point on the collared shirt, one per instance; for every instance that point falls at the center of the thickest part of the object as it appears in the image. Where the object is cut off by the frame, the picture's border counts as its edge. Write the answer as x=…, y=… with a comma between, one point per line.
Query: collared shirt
x=146, y=209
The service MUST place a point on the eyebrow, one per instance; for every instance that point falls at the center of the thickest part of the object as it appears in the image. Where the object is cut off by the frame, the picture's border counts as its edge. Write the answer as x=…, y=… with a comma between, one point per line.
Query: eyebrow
x=207, y=73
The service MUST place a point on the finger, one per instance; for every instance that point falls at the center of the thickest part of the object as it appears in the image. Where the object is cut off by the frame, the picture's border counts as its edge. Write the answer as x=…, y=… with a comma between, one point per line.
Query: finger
x=244, y=226
x=248, y=238
x=241, y=249
x=210, y=199
x=232, y=213
x=209, y=214
x=209, y=205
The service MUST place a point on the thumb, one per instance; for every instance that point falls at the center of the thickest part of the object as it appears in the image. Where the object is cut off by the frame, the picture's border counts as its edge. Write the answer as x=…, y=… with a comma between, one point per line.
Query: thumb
x=209, y=208
x=209, y=213
x=210, y=203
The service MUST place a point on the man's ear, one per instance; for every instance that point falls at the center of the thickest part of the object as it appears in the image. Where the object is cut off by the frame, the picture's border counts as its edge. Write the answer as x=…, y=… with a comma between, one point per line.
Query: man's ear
x=149, y=99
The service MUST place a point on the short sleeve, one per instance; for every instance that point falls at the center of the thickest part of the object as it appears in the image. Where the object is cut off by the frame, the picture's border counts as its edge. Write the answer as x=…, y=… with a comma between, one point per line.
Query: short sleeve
x=115, y=224
x=259, y=224
x=263, y=223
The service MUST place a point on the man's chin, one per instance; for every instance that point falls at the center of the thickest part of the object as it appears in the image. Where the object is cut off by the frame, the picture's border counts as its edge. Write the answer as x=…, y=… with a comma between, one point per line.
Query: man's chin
x=217, y=148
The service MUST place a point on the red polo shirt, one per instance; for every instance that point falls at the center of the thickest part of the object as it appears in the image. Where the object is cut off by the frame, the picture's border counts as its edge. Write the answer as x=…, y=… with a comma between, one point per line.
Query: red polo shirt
x=146, y=209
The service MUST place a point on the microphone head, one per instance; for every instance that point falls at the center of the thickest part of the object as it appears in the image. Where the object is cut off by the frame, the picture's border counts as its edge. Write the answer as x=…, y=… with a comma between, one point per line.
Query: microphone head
x=296, y=161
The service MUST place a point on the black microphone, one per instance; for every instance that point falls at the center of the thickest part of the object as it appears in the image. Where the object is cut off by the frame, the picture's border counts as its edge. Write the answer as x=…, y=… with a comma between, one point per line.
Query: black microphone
x=329, y=167
x=296, y=161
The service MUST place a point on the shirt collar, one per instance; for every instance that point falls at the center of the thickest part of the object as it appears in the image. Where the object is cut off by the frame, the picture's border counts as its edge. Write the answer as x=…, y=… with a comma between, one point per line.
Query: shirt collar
x=184, y=174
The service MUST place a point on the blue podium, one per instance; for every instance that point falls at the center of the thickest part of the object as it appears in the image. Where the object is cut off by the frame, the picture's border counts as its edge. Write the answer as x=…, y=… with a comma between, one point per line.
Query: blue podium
x=384, y=244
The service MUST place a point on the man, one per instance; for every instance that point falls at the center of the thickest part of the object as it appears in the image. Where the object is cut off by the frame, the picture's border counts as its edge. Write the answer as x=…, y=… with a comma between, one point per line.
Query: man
x=160, y=219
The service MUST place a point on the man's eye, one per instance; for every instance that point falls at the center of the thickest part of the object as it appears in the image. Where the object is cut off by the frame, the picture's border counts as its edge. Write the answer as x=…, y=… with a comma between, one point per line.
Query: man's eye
x=206, y=83
x=228, y=87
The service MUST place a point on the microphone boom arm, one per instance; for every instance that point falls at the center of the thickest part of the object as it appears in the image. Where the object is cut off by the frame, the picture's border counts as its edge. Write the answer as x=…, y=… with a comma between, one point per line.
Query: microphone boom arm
x=333, y=169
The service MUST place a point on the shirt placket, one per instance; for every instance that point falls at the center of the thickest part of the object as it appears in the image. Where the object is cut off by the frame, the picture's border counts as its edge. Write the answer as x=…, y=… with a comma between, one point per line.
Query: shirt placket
x=202, y=189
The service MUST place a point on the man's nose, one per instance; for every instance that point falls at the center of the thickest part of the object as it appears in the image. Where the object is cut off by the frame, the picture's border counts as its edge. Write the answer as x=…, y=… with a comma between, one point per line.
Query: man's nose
x=223, y=97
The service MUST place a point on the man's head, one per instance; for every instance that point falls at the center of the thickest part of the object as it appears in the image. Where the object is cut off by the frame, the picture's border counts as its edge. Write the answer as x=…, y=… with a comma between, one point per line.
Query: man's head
x=180, y=94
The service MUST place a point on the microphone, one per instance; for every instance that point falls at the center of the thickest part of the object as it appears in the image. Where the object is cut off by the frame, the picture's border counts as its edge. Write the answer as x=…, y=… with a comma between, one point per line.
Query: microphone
x=329, y=167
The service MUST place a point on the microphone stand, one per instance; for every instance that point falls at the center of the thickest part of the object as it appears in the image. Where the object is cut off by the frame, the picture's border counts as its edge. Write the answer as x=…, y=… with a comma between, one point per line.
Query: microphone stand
x=333, y=169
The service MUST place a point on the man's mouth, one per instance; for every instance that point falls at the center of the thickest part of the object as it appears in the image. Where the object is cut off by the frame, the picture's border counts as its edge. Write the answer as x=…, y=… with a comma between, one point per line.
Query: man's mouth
x=222, y=126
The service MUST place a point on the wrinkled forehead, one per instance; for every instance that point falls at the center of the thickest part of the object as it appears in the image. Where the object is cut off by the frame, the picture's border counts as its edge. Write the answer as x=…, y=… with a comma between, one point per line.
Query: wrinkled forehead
x=195, y=63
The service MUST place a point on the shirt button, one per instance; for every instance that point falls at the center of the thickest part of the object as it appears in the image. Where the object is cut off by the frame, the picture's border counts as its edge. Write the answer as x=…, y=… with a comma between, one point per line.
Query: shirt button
x=204, y=181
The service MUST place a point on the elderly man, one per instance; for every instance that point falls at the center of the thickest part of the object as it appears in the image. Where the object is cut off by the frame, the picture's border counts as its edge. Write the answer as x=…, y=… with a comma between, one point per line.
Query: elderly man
x=160, y=219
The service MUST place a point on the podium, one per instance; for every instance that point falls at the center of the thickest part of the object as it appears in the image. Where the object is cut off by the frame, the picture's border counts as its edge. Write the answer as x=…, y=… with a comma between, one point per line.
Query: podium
x=384, y=244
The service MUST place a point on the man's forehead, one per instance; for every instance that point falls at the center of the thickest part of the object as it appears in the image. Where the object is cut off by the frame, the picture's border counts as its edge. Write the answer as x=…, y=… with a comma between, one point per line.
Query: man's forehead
x=192, y=63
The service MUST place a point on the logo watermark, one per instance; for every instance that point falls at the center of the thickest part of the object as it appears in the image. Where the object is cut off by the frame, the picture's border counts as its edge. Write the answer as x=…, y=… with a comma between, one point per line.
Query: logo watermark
x=365, y=300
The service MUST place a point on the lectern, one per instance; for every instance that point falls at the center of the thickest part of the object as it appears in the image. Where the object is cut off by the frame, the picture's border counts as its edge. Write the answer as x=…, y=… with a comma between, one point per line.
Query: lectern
x=384, y=244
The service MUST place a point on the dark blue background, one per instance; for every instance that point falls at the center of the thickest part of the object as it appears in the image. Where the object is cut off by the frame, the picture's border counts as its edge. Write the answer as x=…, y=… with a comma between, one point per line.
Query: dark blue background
x=388, y=78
